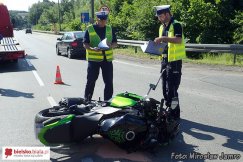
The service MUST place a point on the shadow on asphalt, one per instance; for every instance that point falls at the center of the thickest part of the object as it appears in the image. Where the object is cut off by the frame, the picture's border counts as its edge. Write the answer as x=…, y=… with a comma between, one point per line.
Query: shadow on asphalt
x=102, y=150
x=98, y=150
x=63, y=84
x=14, y=93
x=82, y=58
x=31, y=57
x=21, y=65
x=234, y=138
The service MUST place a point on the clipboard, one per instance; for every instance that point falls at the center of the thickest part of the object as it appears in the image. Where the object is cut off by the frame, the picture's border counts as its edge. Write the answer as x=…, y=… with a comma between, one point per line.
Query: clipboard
x=153, y=48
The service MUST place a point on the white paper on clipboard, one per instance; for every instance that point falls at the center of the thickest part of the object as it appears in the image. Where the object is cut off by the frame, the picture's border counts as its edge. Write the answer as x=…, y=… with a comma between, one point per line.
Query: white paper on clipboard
x=103, y=45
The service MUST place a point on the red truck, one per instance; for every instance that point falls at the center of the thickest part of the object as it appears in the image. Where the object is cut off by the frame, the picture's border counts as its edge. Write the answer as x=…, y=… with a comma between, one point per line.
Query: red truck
x=9, y=46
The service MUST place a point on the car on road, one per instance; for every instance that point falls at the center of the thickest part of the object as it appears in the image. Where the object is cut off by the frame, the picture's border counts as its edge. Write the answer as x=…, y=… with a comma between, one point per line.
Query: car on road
x=28, y=30
x=71, y=44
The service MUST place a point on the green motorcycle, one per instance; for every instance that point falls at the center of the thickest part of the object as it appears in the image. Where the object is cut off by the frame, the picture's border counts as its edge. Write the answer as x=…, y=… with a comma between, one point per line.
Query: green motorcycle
x=129, y=120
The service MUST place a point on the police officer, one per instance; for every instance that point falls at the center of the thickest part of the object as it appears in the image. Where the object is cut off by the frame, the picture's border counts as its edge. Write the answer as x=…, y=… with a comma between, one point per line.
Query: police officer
x=170, y=32
x=98, y=58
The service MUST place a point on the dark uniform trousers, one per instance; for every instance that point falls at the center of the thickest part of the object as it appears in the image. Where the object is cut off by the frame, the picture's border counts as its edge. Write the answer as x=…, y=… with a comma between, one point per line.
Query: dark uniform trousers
x=93, y=74
x=171, y=79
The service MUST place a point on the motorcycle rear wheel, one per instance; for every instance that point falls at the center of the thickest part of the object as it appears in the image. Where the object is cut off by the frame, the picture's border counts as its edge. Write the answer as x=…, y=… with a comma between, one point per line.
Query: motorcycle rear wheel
x=51, y=113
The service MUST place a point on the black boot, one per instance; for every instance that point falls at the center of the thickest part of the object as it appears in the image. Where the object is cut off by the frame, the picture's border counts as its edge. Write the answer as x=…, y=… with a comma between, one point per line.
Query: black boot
x=176, y=113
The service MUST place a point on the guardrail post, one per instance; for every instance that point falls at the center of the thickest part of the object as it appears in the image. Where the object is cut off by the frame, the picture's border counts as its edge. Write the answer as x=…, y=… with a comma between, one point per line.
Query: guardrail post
x=234, y=58
x=136, y=49
x=235, y=53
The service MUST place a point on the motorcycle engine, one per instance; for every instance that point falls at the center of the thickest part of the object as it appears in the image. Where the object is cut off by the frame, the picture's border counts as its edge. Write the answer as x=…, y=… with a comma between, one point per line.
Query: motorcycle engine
x=126, y=131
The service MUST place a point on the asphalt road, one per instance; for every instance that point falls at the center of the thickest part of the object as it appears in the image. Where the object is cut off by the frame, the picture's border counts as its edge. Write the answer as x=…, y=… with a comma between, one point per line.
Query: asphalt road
x=211, y=103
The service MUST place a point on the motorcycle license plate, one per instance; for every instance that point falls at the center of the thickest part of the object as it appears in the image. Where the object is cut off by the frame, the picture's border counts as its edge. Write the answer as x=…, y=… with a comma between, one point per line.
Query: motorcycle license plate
x=37, y=129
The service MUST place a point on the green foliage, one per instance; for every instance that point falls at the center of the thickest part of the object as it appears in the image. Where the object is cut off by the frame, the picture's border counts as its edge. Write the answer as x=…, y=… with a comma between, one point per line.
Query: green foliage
x=221, y=59
x=46, y=27
x=143, y=19
x=198, y=19
x=121, y=21
x=73, y=25
x=67, y=10
x=37, y=9
x=49, y=16
x=204, y=21
x=135, y=19
x=238, y=32
x=19, y=19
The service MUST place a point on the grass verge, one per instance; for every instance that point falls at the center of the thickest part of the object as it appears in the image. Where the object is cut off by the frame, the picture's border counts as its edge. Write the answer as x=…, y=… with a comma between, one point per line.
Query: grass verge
x=207, y=58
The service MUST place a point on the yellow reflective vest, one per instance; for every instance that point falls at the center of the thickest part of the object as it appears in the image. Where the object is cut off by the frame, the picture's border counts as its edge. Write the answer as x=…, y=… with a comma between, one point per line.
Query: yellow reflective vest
x=175, y=51
x=94, y=41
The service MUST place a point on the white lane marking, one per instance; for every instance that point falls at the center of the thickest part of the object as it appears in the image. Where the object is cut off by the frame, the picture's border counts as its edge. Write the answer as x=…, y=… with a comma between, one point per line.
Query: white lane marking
x=49, y=98
x=29, y=63
x=121, y=62
x=35, y=73
x=38, y=78
x=51, y=101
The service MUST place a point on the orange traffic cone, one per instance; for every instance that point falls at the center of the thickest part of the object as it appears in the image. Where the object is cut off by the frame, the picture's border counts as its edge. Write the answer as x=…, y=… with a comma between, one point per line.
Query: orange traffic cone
x=58, y=77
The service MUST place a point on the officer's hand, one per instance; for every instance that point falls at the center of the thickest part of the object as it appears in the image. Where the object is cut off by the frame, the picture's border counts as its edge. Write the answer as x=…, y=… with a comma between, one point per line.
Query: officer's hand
x=95, y=49
x=158, y=40
x=161, y=39
x=109, y=45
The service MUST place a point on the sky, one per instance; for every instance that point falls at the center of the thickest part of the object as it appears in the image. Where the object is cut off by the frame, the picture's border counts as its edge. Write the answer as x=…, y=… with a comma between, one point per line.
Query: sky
x=22, y=5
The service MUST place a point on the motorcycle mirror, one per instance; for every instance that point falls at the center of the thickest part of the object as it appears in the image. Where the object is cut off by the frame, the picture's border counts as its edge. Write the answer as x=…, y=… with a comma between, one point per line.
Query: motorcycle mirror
x=174, y=103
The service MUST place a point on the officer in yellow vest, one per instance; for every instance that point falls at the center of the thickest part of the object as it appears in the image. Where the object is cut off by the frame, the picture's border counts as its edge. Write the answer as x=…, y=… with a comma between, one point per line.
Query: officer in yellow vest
x=99, y=58
x=171, y=32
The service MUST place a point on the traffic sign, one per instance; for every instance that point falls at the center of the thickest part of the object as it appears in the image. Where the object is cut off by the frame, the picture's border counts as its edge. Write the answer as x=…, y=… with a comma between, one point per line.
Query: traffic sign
x=84, y=17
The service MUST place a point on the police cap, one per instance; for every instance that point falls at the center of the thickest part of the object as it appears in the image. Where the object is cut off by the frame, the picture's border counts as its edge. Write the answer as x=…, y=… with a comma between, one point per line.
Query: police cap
x=162, y=9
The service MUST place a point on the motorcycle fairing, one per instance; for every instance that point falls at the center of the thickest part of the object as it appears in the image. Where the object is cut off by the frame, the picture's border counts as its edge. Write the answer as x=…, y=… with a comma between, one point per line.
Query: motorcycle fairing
x=125, y=130
x=64, y=124
x=124, y=100
x=85, y=125
x=73, y=128
x=105, y=110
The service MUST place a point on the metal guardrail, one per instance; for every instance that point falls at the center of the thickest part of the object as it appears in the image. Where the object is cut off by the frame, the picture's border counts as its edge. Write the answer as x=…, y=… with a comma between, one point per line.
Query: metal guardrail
x=208, y=48
x=218, y=48
x=190, y=47
x=49, y=32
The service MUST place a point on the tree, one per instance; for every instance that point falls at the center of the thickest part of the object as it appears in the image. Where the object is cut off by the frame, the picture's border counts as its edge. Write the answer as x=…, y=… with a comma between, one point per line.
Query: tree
x=37, y=9
x=19, y=18
x=204, y=21
x=135, y=19
x=238, y=32
x=50, y=16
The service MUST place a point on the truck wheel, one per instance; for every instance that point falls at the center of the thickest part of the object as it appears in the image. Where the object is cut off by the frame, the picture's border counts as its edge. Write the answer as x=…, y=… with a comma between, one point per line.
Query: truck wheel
x=58, y=52
x=69, y=54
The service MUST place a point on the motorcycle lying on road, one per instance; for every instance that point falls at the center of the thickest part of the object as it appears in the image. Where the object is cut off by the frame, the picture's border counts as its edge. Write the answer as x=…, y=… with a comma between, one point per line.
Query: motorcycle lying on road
x=131, y=121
